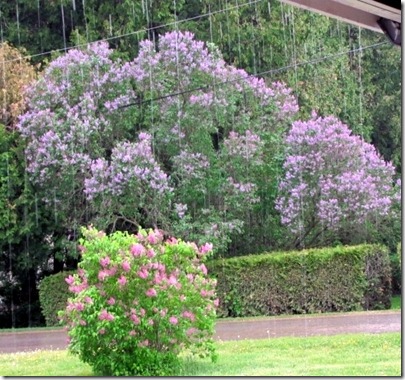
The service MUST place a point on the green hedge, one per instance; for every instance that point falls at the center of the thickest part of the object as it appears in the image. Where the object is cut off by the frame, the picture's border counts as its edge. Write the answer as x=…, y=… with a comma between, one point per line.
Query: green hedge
x=309, y=281
x=53, y=295
x=396, y=269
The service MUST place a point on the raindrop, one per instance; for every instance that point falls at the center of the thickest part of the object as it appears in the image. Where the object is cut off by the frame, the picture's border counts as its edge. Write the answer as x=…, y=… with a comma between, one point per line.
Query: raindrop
x=360, y=87
x=63, y=25
x=36, y=211
x=178, y=71
x=54, y=207
x=294, y=51
x=284, y=34
x=72, y=26
x=39, y=24
x=85, y=20
x=18, y=22
x=228, y=29
x=111, y=33
x=254, y=56
x=239, y=43
x=145, y=9
x=74, y=5
x=210, y=21
x=11, y=282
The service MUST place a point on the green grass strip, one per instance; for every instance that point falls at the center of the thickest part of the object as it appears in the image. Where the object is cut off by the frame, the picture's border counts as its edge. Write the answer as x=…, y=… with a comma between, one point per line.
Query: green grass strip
x=340, y=355
x=395, y=302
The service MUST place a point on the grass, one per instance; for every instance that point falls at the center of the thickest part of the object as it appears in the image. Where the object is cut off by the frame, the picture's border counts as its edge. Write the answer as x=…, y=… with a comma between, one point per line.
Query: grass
x=339, y=355
x=396, y=302
x=30, y=329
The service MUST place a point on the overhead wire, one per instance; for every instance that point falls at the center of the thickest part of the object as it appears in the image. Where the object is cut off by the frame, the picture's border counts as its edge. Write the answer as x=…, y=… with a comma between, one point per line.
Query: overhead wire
x=260, y=74
x=173, y=23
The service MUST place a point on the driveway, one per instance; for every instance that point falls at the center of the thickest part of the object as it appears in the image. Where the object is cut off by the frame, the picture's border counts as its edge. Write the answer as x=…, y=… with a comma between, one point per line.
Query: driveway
x=254, y=328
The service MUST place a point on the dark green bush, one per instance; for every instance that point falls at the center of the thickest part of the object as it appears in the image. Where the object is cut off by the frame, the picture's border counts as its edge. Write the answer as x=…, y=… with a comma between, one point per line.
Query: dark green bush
x=396, y=270
x=53, y=295
x=308, y=281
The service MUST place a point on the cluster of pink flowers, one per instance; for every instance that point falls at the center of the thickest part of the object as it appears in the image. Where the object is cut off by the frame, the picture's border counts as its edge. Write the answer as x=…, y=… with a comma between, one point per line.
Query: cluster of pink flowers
x=105, y=316
x=141, y=294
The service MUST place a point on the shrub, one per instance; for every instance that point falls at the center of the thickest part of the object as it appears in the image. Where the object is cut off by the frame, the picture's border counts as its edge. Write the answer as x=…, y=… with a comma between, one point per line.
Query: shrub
x=138, y=301
x=396, y=269
x=335, y=184
x=308, y=281
x=53, y=295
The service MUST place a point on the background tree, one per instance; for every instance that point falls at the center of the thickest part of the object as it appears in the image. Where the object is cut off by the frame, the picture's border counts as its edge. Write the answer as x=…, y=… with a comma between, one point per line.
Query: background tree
x=318, y=57
x=15, y=74
x=22, y=250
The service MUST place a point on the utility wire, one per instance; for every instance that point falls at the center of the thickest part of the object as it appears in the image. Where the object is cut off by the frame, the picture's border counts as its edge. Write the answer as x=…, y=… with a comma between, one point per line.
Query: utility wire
x=251, y=2
x=263, y=73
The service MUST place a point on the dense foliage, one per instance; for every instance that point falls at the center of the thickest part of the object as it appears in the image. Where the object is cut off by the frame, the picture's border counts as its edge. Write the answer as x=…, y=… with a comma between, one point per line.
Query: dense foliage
x=53, y=295
x=139, y=301
x=15, y=74
x=334, y=183
x=343, y=278
x=319, y=57
x=201, y=165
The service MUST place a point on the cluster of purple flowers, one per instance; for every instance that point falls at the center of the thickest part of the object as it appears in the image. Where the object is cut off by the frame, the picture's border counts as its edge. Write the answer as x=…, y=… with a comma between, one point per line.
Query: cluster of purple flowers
x=333, y=175
x=81, y=136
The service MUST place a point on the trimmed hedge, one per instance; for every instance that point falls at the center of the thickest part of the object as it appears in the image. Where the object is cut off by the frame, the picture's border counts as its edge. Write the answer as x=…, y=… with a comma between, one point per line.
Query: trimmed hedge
x=53, y=295
x=396, y=269
x=309, y=281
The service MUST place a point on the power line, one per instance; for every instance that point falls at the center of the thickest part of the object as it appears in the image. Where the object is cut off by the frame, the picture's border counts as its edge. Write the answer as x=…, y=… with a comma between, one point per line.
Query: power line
x=251, y=2
x=263, y=73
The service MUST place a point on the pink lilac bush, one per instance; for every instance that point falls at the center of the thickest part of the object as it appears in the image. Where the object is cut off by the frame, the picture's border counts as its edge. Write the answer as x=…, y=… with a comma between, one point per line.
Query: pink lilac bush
x=332, y=179
x=143, y=310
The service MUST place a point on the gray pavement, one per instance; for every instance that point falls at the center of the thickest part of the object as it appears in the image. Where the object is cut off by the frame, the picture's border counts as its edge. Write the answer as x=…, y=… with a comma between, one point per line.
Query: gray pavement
x=254, y=328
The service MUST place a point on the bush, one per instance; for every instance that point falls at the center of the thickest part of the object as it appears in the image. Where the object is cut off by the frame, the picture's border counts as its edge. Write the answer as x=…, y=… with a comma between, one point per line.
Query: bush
x=138, y=301
x=308, y=281
x=53, y=295
x=396, y=269
x=335, y=186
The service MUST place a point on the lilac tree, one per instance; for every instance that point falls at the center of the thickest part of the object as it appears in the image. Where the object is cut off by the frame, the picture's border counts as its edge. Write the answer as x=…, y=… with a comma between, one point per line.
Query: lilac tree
x=334, y=183
x=68, y=128
x=216, y=187
x=175, y=139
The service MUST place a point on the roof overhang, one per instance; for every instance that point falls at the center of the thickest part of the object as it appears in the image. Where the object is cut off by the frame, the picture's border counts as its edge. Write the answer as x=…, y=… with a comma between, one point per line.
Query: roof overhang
x=370, y=14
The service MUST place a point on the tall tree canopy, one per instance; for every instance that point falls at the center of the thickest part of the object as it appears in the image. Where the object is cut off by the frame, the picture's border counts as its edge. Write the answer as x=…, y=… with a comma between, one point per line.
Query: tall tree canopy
x=175, y=139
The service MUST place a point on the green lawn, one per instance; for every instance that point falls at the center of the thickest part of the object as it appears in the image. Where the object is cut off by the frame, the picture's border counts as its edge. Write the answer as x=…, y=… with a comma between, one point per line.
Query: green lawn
x=396, y=302
x=340, y=355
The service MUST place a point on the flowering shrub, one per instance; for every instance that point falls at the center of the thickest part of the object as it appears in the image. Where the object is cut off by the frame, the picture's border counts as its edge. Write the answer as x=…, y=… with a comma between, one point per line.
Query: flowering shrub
x=138, y=302
x=203, y=158
x=333, y=180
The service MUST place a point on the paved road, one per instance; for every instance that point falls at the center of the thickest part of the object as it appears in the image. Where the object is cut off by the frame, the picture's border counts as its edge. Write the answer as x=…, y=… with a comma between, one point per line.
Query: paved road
x=272, y=327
